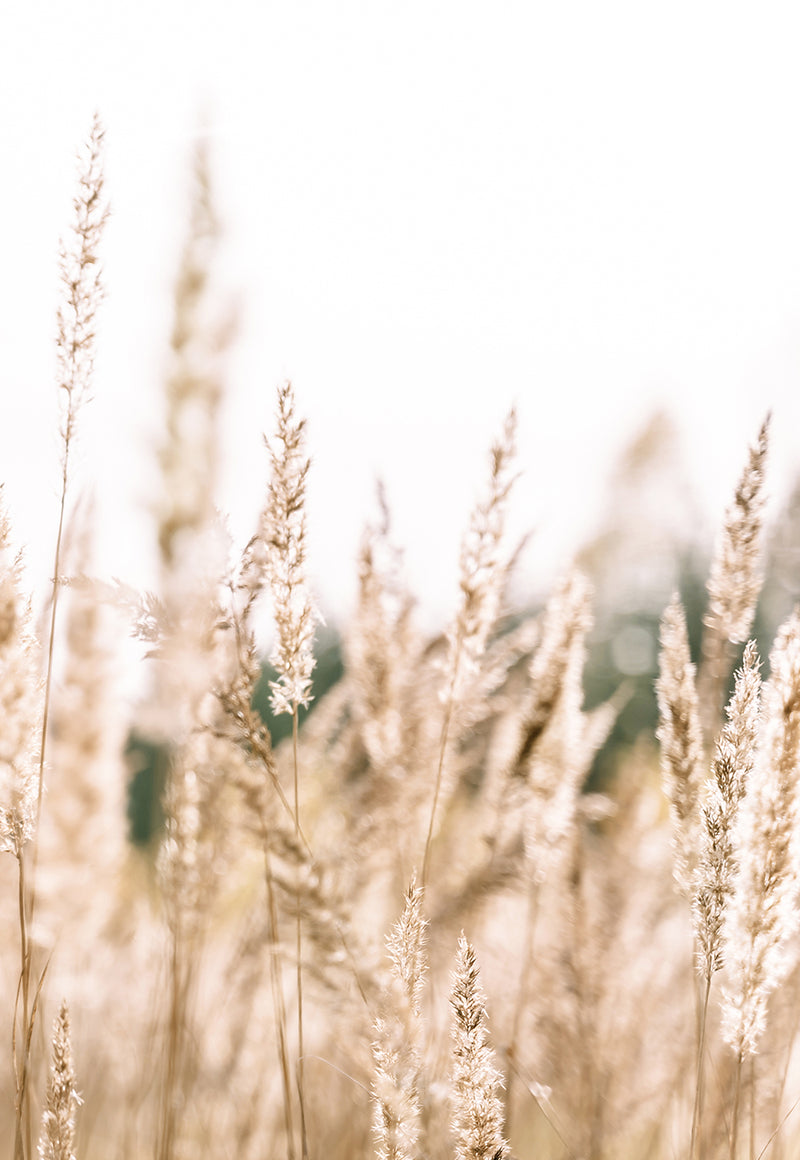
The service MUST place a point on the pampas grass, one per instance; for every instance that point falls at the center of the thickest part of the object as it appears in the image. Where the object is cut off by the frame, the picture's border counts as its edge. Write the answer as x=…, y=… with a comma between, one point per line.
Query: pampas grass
x=242, y=985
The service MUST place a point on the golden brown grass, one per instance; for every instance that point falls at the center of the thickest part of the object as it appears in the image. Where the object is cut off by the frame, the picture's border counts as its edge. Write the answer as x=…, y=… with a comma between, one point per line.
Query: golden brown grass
x=244, y=986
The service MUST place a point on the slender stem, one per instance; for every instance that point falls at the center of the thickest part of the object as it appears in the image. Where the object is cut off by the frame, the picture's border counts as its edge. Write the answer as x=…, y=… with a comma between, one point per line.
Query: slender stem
x=448, y=713
x=51, y=646
x=699, y=1087
x=299, y=949
x=522, y=991
x=167, y=1133
x=752, y=1107
x=22, y=1120
x=737, y=1091
x=279, y=1004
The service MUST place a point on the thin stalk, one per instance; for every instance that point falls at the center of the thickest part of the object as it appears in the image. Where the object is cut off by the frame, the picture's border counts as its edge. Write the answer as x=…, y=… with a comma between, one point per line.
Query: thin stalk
x=22, y=1117
x=299, y=948
x=737, y=1092
x=522, y=992
x=279, y=1006
x=442, y=749
x=176, y=1018
x=27, y=892
x=752, y=1107
x=700, y=1086
x=50, y=648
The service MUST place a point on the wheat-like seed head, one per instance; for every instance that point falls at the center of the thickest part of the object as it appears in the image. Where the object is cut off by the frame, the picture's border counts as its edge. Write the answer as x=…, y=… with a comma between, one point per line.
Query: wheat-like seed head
x=20, y=706
x=282, y=542
x=680, y=735
x=732, y=767
x=57, y=1139
x=735, y=578
x=81, y=280
x=201, y=334
x=397, y=1046
x=477, y=1110
x=763, y=913
x=482, y=574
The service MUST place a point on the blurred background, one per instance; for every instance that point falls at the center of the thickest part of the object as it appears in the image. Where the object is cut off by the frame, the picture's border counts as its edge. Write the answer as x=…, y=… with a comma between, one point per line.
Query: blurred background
x=429, y=212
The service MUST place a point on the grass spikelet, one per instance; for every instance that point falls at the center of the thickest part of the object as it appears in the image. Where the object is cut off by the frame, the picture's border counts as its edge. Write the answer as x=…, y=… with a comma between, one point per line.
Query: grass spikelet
x=193, y=389
x=482, y=578
x=764, y=910
x=481, y=571
x=379, y=647
x=732, y=767
x=57, y=1139
x=20, y=711
x=284, y=534
x=734, y=580
x=680, y=735
x=477, y=1109
x=82, y=286
x=398, y=1033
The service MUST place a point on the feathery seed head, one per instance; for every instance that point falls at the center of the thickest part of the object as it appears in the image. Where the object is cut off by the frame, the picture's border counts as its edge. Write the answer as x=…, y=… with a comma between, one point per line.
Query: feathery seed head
x=20, y=707
x=398, y=1035
x=193, y=389
x=732, y=768
x=477, y=1110
x=680, y=735
x=57, y=1139
x=481, y=566
x=763, y=913
x=81, y=281
x=283, y=543
x=735, y=578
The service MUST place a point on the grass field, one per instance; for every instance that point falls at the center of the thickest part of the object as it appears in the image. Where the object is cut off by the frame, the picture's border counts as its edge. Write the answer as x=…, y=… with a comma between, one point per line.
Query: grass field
x=407, y=930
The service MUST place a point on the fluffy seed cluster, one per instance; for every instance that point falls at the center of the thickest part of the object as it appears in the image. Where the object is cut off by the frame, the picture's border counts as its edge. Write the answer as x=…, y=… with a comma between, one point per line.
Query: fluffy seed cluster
x=398, y=1034
x=477, y=1110
x=81, y=282
x=552, y=756
x=20, y=707
x=763, y=913
x=681, y=738
x=57, y=1139
x=482, y=573
x=284, y=534
x=735, y=580
x=732, y=768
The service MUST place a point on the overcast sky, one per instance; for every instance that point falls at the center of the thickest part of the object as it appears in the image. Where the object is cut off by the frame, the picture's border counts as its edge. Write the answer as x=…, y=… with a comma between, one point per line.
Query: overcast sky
x=432, y=210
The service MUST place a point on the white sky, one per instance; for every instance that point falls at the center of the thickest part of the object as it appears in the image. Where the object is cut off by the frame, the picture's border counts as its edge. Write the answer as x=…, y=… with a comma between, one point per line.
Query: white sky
x=432, y=209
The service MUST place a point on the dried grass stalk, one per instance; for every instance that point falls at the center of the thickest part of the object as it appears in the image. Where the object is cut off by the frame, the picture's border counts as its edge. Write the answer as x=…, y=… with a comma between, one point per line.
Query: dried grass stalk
x=397, y=1048
x=681, y=738
x=763, y=914
x=734, y=582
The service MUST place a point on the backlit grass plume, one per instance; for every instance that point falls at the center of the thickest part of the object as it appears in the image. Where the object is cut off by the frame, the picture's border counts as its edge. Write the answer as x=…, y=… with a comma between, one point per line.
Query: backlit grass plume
x=734, y=581
x=483, y=574
x=477, y=1109
x=397, y=1049
x=57, y=1139
x=681, y=738
x=20, y=706
x=285, y=536
x=763, y=914
x=732, y=768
